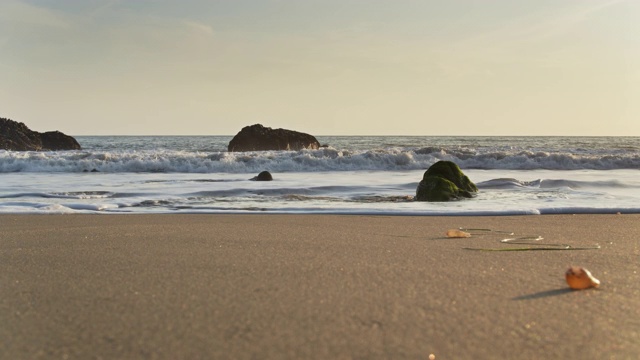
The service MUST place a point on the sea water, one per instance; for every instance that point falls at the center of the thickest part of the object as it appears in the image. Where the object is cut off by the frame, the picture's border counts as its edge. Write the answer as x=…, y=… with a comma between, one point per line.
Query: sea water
x=350, y=175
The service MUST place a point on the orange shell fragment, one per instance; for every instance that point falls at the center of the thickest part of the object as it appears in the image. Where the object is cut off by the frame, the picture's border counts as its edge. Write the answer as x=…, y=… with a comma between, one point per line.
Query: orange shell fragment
x=579, y=278
x=454, y=233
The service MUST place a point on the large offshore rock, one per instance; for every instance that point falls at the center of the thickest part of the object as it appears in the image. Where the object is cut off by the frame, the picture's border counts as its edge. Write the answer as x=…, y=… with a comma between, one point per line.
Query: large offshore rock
x=444, y=181
x=17, y=136
x=259, y=138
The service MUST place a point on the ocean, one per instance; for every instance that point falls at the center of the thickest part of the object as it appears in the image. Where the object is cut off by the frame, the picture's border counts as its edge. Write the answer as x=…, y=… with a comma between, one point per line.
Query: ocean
x=351, y=175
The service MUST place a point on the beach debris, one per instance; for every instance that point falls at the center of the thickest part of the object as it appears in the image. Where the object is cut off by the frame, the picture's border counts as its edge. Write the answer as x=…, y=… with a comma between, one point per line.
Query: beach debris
x=534, y=242
x=455, y=233
x=579, y=278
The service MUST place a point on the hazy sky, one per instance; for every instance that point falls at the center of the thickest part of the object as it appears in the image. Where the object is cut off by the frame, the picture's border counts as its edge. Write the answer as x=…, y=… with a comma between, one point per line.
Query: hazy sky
x=326, y=67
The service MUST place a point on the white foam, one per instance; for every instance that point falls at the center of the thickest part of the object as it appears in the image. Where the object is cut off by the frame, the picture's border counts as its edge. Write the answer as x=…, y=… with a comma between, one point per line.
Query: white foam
x=121, y=161
x=355, y=175
x=502, y=192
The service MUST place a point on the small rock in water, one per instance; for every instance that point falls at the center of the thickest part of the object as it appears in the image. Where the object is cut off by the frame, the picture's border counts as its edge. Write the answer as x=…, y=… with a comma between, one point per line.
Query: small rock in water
x=263, y=176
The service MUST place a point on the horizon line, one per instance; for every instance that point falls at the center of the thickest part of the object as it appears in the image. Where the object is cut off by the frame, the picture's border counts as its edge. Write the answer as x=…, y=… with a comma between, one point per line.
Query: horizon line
x=368, y=135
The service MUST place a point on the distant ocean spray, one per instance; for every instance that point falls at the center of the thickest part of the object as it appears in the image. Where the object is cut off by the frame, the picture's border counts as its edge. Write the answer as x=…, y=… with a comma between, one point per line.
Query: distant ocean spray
x=352, y=174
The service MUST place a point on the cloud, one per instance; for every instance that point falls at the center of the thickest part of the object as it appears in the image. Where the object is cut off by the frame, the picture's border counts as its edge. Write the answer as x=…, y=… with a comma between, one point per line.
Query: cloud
x=567, y=20
x=537, y=24
x=199, y=27
x=101, y=8
x=95, y=36
x=19, y=13
x=526, y=38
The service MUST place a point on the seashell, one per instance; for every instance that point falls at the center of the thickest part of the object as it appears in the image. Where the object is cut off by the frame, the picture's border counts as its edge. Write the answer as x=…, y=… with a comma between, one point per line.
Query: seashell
x=455, y=233
x=579, y=278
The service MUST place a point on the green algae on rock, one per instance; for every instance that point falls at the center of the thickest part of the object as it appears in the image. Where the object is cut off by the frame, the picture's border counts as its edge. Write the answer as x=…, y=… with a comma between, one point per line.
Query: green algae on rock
x=444, y=181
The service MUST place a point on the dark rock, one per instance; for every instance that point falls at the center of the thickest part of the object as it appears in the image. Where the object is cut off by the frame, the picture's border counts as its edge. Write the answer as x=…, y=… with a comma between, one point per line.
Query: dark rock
x=263, y=176
x=260, y=138
x=17, y=136
x=444, y=181
x=55, y=140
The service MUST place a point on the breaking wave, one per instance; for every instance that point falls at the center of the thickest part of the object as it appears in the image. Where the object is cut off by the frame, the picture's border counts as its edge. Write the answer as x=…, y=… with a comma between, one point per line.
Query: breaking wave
x=325, y=159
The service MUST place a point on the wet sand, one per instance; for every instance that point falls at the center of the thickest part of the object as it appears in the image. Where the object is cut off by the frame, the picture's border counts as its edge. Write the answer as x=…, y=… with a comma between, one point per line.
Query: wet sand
x=314, y=287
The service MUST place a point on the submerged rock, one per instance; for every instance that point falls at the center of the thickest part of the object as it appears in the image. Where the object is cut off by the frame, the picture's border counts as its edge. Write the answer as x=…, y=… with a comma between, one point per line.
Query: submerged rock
x=444, y=181
x=259, y=138
x=263, y=176
x=16, y=136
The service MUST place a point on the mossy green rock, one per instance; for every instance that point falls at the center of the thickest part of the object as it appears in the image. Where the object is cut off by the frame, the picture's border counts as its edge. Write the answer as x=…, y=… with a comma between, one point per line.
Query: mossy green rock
x=444, y=181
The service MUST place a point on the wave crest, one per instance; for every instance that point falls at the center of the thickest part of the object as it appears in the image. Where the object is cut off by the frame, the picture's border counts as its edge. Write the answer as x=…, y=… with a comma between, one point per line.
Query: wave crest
x=325, y=159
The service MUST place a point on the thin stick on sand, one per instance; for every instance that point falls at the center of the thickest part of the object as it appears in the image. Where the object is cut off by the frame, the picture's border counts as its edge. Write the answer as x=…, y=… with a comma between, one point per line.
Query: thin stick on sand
x=526, y=240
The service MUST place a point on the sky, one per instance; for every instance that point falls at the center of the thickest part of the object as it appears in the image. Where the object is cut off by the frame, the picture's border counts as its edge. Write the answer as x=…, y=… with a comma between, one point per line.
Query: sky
x=325, y=67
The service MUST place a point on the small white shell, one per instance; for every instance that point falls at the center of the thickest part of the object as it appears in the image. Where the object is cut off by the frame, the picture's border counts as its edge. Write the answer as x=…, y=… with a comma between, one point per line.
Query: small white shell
x=579, y=278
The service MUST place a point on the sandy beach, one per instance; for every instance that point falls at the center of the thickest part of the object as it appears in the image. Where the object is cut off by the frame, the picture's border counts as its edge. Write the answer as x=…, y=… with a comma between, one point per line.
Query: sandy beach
x=314, y=287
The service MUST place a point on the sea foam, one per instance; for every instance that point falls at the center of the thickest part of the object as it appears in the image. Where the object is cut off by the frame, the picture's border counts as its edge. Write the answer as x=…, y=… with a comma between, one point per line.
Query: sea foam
x=353, y=175
x=326, y=159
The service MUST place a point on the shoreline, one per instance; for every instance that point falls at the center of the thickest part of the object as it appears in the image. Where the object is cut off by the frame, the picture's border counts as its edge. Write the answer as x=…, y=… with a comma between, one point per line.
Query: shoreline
x=390, y=213
x=316, y=286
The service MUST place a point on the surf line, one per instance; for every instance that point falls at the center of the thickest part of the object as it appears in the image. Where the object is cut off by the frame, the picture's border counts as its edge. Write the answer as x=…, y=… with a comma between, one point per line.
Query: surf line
x=532, y=240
